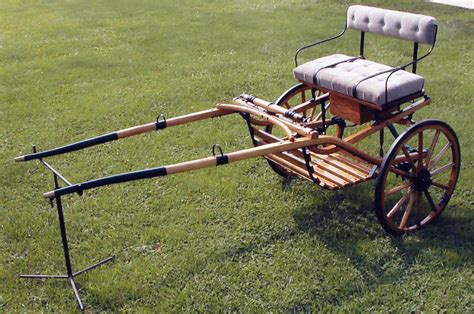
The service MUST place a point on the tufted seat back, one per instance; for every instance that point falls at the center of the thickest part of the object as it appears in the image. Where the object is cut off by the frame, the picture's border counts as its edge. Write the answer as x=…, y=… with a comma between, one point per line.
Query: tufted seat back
x=407, y=26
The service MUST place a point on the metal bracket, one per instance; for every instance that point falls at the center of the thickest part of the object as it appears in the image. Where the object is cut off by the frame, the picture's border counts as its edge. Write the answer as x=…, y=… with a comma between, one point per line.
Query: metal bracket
x=222, y=159
x=160, y=122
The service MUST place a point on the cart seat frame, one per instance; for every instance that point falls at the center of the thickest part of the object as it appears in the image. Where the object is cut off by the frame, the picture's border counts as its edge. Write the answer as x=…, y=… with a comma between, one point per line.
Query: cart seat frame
x=406, y=26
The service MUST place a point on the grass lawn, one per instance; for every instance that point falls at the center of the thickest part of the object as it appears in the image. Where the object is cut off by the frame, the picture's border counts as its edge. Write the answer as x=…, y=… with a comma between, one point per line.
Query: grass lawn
x=219, y=239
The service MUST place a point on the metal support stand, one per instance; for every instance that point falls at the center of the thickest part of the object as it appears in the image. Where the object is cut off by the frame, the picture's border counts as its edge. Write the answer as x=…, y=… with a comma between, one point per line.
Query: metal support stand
x=69, y=273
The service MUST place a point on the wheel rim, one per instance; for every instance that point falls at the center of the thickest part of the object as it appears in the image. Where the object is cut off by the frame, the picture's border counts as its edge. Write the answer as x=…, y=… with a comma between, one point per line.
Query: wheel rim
x=412, y=192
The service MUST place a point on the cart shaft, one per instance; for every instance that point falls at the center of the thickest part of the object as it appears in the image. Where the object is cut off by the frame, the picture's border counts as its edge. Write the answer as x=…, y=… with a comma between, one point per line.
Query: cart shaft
x=140, y=129
x=184, y=166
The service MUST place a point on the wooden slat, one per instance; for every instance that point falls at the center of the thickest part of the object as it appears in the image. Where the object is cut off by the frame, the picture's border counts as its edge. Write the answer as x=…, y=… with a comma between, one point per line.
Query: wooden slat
x=358, y=166
x=286, y=164
x=337, y=172
x=299, y=166
x=343, y=166
x=320, y=173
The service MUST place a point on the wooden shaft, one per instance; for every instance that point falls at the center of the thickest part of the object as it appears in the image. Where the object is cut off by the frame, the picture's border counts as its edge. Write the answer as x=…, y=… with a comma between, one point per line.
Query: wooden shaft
x=301, y=130
x=271, y=107
x=196, y=116
x=135, y=130
x=261, y=115
x=259, y=122
x=184, y=166
x=153, y=126
x=271, y=148
x=261, y=103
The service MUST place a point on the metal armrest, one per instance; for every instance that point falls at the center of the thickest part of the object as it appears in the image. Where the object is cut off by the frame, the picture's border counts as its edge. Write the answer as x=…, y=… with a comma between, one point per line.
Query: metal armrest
x=317, y=43
x=391, y=71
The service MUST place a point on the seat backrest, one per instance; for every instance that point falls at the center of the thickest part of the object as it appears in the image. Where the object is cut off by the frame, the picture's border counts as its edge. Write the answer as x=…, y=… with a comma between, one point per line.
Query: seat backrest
x=408, y=26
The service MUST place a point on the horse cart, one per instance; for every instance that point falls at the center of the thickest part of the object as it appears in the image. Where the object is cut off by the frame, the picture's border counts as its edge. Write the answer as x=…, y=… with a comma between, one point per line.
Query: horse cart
x=304, y=132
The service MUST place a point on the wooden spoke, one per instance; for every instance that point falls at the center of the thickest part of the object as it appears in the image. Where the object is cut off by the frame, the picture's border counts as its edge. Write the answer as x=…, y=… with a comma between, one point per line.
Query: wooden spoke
x=439, y=156
x=304, y=106
x=421, y=206
x=326, y=107
x=432, y=147
x=409, y=159
x=313, y=111
x=397, y=189
x=401, y=173
x=303, y=98
x=420, y=152
x=440, y=185
x=442, y=169
x=406, y=215
x=430, y=200
x=398, y=205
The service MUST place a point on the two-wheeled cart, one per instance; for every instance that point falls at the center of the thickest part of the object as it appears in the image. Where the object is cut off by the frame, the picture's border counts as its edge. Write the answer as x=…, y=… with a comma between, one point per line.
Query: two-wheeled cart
x=414, y=179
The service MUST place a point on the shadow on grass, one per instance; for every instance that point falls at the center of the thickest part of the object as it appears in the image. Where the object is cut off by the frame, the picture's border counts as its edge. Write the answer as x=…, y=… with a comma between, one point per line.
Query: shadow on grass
x=346, y=223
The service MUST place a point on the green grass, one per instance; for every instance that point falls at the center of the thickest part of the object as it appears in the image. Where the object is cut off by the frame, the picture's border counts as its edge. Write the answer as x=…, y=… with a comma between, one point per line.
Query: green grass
x=220, y=239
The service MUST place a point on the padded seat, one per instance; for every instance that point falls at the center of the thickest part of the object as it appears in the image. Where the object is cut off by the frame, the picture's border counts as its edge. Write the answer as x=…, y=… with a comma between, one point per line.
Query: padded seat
x=342, y=73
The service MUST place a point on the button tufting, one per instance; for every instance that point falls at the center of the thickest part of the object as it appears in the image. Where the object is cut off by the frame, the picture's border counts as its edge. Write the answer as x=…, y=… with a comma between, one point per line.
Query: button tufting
x=344, y=75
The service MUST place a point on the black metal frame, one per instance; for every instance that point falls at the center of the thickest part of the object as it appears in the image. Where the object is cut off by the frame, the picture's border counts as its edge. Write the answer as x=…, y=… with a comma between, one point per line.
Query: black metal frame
x=70, y=275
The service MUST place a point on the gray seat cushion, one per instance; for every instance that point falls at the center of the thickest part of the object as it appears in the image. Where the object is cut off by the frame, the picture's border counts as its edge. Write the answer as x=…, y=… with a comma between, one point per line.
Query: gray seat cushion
x=403, y=25
x=341, y=73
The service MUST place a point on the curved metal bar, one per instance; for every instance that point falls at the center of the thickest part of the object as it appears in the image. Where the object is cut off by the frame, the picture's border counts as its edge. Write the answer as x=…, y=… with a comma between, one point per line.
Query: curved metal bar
x=391, y=71
x=307, y=160
x=317, y=43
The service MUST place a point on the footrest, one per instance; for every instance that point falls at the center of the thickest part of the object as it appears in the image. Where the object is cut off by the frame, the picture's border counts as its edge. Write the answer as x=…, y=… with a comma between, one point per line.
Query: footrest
x=336, y=171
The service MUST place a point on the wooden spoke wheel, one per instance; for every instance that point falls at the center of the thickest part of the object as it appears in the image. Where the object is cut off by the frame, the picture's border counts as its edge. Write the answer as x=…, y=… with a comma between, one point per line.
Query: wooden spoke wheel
x=417, y=177
x=295, y=96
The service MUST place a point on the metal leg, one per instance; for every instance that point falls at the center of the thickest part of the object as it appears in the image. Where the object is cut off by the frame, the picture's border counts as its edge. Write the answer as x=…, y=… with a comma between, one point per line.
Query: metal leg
x=62, y=227
x=76, y=293
x=108, y=259
x=44, y=276
x=69, y=274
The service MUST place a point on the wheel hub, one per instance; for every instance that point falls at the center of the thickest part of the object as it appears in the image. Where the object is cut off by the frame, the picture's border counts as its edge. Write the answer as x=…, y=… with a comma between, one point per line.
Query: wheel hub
x=422, y=180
